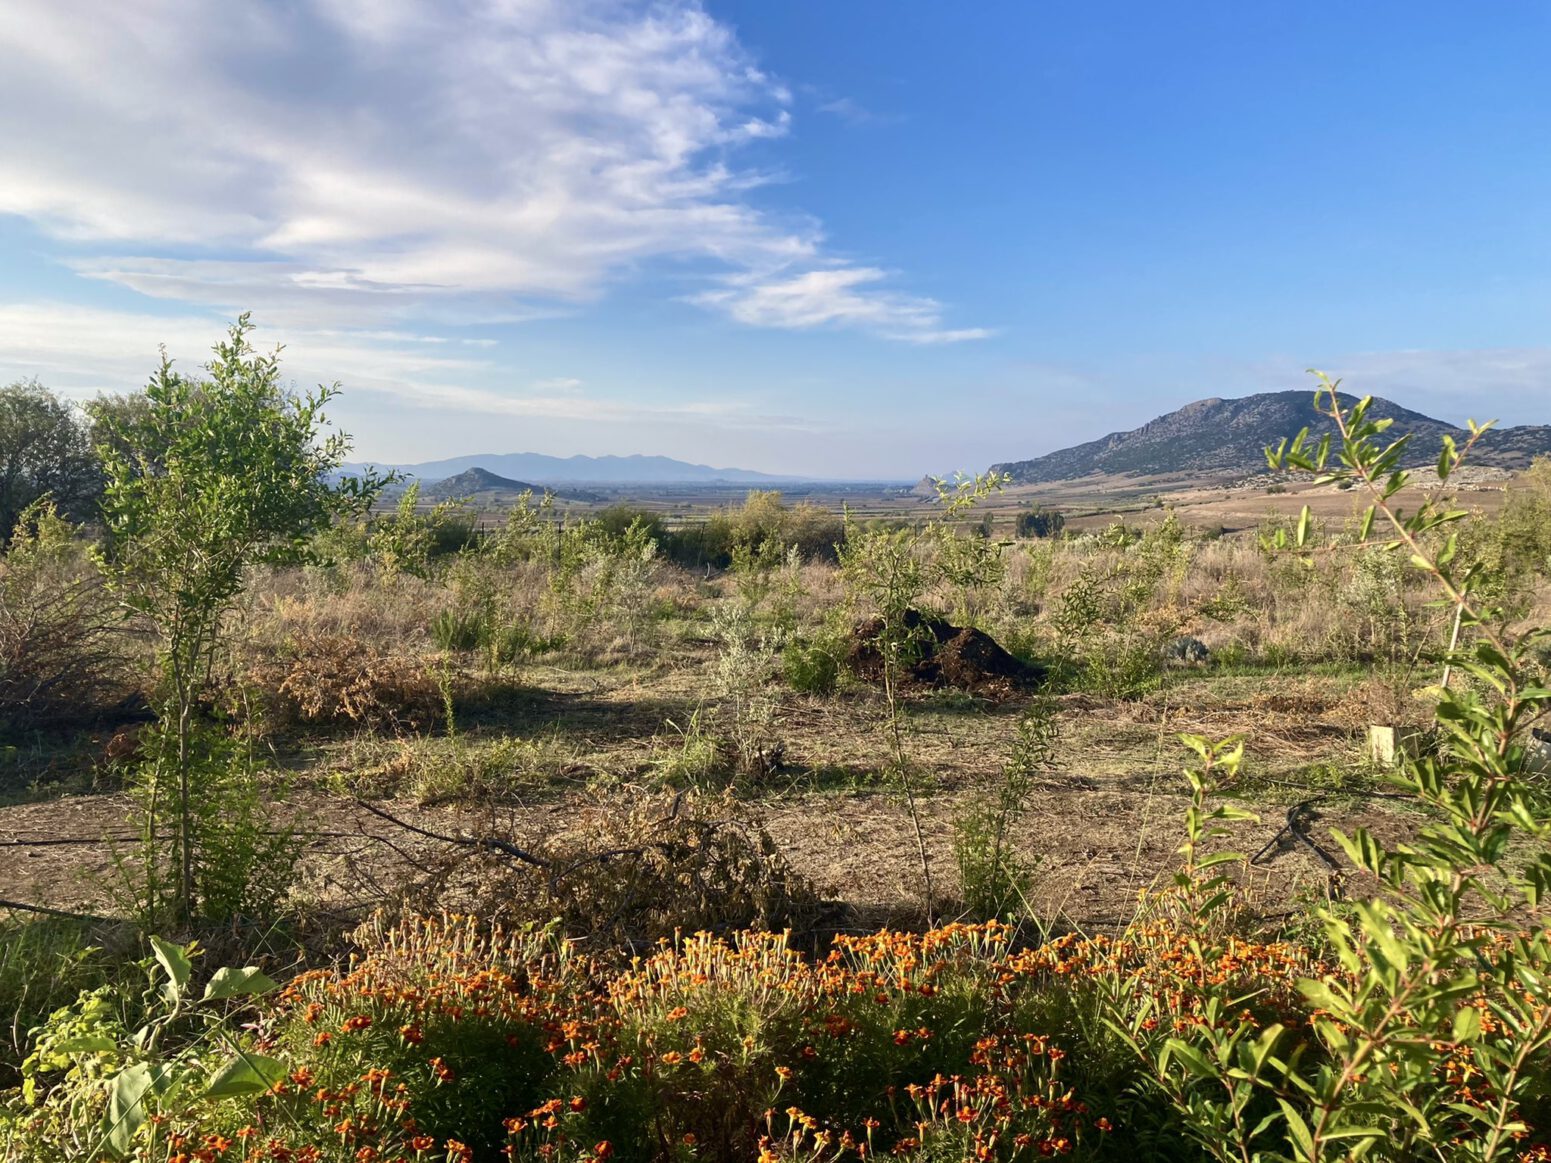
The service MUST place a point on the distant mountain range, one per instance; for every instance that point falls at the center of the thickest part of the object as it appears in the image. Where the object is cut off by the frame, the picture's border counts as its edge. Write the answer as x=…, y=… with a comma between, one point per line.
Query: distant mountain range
x=478, y=484
x=1226, y=438
x=591, y=470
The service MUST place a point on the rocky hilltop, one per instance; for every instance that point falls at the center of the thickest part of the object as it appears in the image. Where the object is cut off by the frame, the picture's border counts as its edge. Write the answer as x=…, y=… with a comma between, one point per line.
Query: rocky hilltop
x=479, y=482
x=1226, y=438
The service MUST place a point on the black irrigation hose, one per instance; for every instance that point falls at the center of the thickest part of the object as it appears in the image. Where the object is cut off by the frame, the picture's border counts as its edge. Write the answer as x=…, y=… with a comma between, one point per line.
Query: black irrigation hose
x=67, y=841
x=1296, y=828
x=48, y=912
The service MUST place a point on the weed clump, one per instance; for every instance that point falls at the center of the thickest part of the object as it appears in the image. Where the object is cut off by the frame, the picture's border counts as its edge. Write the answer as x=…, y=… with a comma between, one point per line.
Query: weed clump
x=342, y=680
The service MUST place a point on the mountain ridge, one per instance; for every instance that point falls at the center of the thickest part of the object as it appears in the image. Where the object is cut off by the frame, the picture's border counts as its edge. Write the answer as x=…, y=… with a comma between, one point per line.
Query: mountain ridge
x=551, y=470
x=476, y=481
x=1225, y=437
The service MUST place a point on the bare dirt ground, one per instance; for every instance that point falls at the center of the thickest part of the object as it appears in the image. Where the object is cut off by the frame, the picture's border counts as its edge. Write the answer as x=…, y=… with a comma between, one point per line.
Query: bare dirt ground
x=1102, y=827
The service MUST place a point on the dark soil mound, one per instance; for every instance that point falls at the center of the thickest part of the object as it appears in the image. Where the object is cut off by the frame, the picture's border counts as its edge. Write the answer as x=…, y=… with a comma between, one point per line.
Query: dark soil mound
x=943, y=654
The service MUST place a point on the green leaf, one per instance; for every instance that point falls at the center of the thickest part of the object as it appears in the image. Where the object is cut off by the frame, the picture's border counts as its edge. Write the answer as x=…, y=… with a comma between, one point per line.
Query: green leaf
x=175, y=962
x=85, y=1044
x=245, y=1074
x=1297, y=1129
x=1321, y=995
x=126, y=1113
x=1191, y=1058
x=1196, y=743
x=1467, y=1024
x=244, y=982
x=1303, y=527
x=1217, y=858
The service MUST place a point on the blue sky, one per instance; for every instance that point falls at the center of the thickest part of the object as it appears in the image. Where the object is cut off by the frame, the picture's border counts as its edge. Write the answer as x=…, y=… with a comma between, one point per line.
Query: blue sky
x=870, y=238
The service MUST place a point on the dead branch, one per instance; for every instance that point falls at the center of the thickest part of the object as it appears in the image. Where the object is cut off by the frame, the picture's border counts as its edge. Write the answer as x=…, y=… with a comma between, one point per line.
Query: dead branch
x=492, y=843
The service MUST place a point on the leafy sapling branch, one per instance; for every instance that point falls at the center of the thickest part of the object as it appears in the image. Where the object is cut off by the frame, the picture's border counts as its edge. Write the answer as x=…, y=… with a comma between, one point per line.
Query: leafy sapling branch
x=211, y=477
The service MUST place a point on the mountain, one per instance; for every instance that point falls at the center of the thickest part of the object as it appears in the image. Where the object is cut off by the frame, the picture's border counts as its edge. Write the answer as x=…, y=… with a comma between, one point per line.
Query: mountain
x=1226, y=438
x=598, y=470
x=475, y=483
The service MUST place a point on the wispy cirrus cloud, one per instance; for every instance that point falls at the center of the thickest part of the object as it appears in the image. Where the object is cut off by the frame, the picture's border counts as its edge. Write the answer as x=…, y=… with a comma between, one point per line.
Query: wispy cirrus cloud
x=839, y=296
x=853, y=112
x=368, y=162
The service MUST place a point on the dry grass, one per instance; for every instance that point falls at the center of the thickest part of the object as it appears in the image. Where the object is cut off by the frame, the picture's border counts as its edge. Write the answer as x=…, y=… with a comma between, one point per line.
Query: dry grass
x=615, y=679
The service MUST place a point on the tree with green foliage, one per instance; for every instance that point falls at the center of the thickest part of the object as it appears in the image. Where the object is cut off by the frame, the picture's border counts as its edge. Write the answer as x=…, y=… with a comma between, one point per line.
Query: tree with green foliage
x=45, y=451
x=1038, y=522
x=208, y=478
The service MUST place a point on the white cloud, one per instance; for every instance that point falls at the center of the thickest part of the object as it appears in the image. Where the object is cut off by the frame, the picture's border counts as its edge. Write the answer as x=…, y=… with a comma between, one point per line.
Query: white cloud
x=559, y=384
x=835, y=296
x=853, y=112
x=85, y=351
x=360, y=162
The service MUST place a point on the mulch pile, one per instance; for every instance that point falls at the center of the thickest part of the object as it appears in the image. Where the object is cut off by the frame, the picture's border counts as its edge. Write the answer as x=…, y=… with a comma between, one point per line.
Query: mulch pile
x=945, y=655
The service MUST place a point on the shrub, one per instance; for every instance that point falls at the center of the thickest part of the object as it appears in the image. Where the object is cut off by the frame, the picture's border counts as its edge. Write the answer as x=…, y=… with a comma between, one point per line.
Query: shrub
x=617, y=520
x=60, y=660
x=812, y=667
x=406, y=540
x=994, y=879
x=763, y=525
x=459, y=631
x=627, y=874
x=326, y=679
x=746, y=713
x=1524, y=527
x=1121, y=666
x=45, y=962
x=243, y=864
